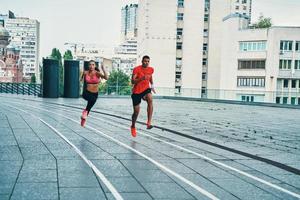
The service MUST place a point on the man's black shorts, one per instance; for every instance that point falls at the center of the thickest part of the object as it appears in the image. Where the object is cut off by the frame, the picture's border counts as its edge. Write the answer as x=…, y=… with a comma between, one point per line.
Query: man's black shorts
x=137, y=98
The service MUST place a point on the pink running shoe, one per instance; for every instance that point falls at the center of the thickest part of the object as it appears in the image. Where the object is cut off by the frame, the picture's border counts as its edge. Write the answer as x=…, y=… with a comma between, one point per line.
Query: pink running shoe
x=84, y=114
x=82, y=122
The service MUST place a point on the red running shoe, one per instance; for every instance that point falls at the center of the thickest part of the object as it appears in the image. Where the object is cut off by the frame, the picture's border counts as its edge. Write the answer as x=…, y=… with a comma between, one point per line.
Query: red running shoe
x=133, y=131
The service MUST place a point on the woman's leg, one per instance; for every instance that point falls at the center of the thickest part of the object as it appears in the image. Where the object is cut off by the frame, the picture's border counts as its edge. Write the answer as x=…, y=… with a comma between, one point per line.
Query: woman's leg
x=91, y=102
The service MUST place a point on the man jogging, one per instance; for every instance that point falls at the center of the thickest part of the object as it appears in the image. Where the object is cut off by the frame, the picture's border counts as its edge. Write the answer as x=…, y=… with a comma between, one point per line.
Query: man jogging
x=142, y=87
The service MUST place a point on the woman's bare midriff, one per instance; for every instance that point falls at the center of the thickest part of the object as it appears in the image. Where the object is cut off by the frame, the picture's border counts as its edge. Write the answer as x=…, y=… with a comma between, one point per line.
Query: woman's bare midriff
x=92, y=88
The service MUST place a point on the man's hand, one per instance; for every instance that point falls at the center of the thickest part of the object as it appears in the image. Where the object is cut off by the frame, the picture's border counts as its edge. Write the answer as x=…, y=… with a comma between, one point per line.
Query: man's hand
x=153, y=90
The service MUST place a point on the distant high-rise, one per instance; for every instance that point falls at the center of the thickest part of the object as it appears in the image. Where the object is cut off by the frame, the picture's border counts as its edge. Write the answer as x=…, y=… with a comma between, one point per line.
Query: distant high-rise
x=126, y=53
x=129, y=22
x=25, y=35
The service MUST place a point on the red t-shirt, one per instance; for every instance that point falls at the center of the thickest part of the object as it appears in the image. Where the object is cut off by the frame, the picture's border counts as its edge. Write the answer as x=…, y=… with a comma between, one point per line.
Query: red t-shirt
x=141, y=86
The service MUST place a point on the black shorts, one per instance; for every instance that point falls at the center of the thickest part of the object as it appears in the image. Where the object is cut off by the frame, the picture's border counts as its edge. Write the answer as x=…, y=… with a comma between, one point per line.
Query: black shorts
x=137, y=98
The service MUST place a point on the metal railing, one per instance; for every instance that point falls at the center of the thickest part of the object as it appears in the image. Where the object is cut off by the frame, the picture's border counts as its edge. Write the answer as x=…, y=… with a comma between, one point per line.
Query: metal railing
x=279, y=97
x=21, y=88
x=285, y=96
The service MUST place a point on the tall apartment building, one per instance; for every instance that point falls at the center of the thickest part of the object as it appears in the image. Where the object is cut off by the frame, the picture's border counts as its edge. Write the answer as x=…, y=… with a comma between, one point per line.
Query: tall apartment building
x=182, y=38
x=129, y=22
x=126, y=53
x=25, y=35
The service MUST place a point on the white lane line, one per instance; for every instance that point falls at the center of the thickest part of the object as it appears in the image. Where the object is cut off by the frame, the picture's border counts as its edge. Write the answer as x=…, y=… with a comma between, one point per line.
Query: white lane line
x=161, y=166
x=111, y=188
x=207, y=158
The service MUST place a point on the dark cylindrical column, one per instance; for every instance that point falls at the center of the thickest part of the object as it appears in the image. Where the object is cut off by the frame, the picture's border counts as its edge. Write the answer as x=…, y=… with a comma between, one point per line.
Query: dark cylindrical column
x=71, y=81
x=50, y=78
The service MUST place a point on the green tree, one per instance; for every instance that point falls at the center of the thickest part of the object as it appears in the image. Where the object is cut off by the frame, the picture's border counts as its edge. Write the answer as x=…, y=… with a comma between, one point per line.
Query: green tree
x=68, y=55
x=263, y=22
x=117, y=83
x=33, y=79
x=57, y=56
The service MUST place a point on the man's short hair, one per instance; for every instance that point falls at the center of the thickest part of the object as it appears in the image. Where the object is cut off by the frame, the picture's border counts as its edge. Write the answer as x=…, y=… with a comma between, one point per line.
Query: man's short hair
x=146, y=57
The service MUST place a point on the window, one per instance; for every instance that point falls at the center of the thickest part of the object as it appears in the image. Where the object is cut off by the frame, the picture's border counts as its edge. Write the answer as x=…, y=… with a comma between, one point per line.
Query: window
x=178, y=88
x=253, y=46
x=278, y=100
x=251, y=64
x=244, y=1
x=284, y=100
x=244, y=7
x=203, y=90
x=297, y=64
x=237, y=7
x=181, y=3
x=178, y=61
x=205, y=47
x=297, y=45
x=204, y=76
x=285, y=83
x=247, y=98
x=207, y=2
x=179, y=16
x=293, y=83
x=204, y=61
x=179, y=31
x=285, y=64
x=293, y=100
x=179, y=45
x=205, y=32
x=206, y=17
x=298, y=101
x=178, y=75
x=251, y=81
x=286, y=45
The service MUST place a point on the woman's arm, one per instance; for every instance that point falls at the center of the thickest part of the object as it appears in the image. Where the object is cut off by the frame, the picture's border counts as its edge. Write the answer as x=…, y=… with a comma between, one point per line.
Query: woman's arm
x=104, y=75
x=82, y=76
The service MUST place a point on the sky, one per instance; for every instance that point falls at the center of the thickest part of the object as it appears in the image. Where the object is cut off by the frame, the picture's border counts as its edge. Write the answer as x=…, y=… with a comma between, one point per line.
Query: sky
x=99, y=21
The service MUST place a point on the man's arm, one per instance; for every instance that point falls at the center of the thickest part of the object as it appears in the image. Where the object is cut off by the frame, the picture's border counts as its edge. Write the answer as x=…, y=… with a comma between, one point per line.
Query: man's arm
x=152, y=85
x=135, y=80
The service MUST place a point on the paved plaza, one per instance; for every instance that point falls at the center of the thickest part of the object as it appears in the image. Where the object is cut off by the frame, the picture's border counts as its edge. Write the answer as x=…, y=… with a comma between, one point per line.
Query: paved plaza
x=197, y=150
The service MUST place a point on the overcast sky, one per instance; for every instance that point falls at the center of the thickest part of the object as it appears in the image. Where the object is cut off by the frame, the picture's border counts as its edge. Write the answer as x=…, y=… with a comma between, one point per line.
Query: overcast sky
x=99, y=21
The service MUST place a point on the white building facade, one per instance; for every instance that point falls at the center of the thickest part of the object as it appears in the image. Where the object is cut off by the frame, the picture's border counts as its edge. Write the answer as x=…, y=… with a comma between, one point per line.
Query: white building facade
x=258, y=65
x=182, y=38
x=25, y=34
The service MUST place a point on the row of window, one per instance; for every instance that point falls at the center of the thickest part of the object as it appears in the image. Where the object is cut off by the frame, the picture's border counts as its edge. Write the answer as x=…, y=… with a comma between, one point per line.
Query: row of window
x=180, y=3
x=179, y=16
x=241, y=1
x=251, y=81
x=285, y=100
x=253, y=46
x=287, y=45
x=293, y=83
x=251, y=64
x=286, y=64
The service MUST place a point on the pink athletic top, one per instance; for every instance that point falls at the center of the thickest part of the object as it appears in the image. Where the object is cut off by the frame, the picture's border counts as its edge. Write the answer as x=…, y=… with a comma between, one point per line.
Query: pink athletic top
x=92, y=79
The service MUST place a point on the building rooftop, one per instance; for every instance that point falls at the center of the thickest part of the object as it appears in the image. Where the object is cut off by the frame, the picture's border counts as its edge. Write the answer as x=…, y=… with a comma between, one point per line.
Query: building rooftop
x=195, y=150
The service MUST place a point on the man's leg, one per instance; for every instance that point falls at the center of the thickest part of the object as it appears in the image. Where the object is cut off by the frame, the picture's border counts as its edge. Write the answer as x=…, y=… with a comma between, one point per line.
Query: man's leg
x=149, y=99
x=136, y=111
